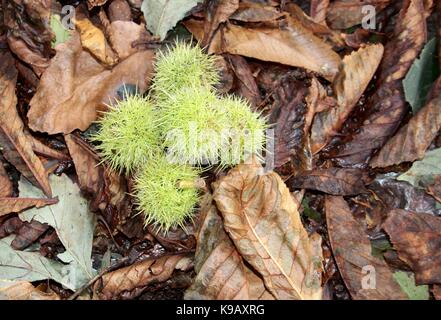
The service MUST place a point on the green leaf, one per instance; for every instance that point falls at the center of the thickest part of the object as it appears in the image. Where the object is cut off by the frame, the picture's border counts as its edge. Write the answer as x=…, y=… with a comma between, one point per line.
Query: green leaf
x=61, y=33
x=162, y=15
x=407, y=283
x=72, y=221
x=421, y=76
x=422, y=173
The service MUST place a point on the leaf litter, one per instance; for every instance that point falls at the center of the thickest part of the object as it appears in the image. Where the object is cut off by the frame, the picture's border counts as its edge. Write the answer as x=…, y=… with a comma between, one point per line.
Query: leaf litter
x=356, y=185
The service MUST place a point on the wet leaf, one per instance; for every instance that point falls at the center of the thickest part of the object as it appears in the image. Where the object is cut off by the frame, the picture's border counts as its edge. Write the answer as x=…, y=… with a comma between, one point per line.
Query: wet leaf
x=23, y=290
x=412, y=140
x=365, y=276
x=387, y=105
x=421, y=76
x=262, y=219
x=72, y=221
x=417, y=239
x=422, y=173
x=354, y=76
x=163, y=15
x=335, y=181
x=221, y=272
x=407, y=284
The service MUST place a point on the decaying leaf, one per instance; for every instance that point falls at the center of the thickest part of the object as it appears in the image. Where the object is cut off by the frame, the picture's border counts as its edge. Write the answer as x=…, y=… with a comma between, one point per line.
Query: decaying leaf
x=72, y=221
x=75, y=87
x=342, y=14
x=261, y=218
x=435, y=189
x=221, y=271
x=16, y=265
x=123, y=36
x=417, y=239
x=16, y=147
x=5, y=183
x=411, y=141
x=422, y=173
x=352, y=252
x=253, y=12
x=10, y=205
x=163, y=15
x=319, y=10
x=139, y=275
x=387, y=105
x=290, y=44
x=335, y=181
x=23, y=290
x=217, y=13
x=354, y=76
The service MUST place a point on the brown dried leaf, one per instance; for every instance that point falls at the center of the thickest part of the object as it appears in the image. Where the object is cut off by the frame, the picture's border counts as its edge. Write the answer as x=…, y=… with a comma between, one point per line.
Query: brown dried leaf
x=138, y=275
x=352, y=252
x=288, y=115
x=17, y=148
x=75, y=87
x=387, y=105
x=319, y=9
x=417, y=239
x=221, y=272
x=290, y=44
x=119, y=10
x=23, y=290
x=411, y=141
x=343, y=14
x=435, y=189
x=123, y=36
x=10, y=205
x=247, y=84
x=29, y=32
x=94, y=41
x=335, y=181
x=355, y=74
x=217, y=13
x=5, y=182
x=27, y=233
x=261, y=217
x=253, y=12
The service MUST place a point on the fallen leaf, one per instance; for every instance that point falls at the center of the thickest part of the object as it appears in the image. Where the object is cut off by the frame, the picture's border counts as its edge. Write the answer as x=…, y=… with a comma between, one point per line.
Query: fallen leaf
x=387, y=104
x=26, y=233
x=221, y=272
x=23, y=290
x=288, y=115
x=94, y=41
x=417, y=239
x=11, y=205
x=435, y=189
x=422, y=173
x=5, y=182
x=289, y=44
x=319, y=9
x=17, y=148
x=262, y=219
x=217, y=12
x=163, y=15
x=72, y=221
x=252, y=12
x=61, y=33
x=119, y=10
x=29, y=266
x=407, y=284
x=123, y=36
x=412, y=140
x=75, y=87
x=343, y=14
x=421, y=76
x=335, y=181
x=138, y=275
x=352, y=80
x=366, y=276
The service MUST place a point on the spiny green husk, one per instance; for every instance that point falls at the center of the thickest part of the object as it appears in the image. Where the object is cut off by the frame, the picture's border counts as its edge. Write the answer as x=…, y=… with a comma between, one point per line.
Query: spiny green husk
x=191, y=123
x=158, y=196
x=182, y=66
x=128, y=134
x=246, y=128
